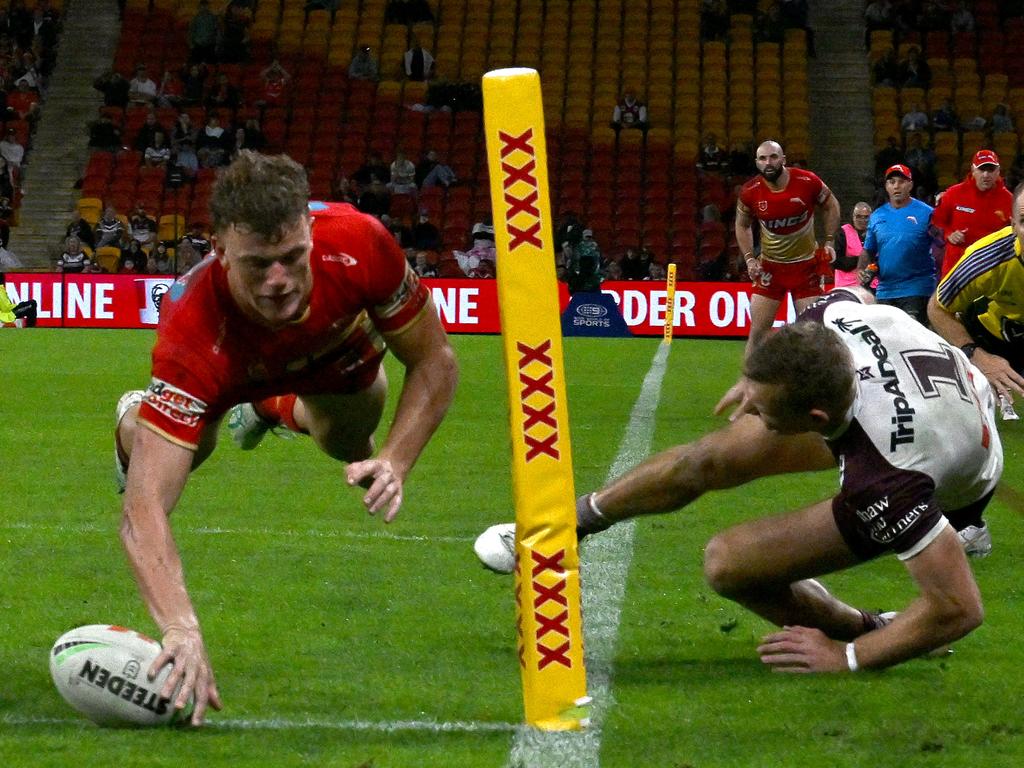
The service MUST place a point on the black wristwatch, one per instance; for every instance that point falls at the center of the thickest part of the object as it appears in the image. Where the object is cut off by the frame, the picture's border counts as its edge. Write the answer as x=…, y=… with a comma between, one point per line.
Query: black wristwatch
x=968, y=349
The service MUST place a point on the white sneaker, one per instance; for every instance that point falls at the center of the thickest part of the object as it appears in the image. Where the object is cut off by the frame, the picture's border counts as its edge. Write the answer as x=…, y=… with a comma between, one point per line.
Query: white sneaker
x=246, y=426
x=977, y=542
x=127, y=401
x=496, y=547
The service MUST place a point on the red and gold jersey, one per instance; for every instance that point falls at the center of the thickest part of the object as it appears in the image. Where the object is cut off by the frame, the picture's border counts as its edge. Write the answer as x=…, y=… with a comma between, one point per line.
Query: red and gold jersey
x=787, y=215
x=209, y=356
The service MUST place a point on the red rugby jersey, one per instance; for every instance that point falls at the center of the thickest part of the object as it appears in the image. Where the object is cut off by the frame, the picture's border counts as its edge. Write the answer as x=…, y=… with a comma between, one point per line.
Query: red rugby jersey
x=209, y=356
x=786, y=216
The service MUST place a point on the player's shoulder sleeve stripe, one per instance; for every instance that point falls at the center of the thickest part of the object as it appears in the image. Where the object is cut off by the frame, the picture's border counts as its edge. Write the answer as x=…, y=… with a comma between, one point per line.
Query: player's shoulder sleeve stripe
x=979, y=259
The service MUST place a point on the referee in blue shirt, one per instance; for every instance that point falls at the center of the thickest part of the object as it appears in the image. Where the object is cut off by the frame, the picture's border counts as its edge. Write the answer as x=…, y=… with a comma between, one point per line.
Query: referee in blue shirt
x=899, y=241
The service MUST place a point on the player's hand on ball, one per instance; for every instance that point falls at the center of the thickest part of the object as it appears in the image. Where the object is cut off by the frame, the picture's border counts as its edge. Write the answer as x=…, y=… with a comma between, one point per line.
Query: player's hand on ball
x=184, y=648
x=802, y=650
x=382, y=483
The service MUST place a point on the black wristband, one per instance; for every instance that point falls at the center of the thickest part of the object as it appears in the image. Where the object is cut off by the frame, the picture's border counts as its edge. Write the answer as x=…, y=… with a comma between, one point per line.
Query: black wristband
x=968, y=349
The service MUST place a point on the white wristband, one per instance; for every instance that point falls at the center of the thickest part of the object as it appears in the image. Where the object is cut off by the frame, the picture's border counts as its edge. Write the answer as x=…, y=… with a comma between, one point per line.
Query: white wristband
x=851, y=657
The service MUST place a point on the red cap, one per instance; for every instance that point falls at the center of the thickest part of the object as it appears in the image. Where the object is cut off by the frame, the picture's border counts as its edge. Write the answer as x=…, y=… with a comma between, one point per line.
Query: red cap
x=898, y=169
x=985, y=157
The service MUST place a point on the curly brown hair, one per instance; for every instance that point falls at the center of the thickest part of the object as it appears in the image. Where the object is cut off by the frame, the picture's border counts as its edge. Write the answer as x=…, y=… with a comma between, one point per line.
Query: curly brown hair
x=263, y=194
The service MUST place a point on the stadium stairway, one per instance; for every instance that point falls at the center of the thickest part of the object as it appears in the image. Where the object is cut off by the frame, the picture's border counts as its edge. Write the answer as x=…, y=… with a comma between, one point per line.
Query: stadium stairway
x=840, y=90
x=59, y=148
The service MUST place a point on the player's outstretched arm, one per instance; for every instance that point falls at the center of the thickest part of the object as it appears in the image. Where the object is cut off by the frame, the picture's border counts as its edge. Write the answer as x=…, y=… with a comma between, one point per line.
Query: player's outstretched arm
x=156, y=477
x=431, y=374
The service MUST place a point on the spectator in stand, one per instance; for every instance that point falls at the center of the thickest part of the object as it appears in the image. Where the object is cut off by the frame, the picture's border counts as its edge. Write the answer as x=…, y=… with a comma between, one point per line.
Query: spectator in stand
x=24, y=101
x=185, y=159
x=12, y=151
x=27, y=71
x=6, y=180
x=849, y=245
x=974, y=121
x=114, y=88
x=418, y=63
x=199, y=238
x=158, y=154
x=768, y=27
x=185, y=256
x=275, y=79
x=234, y=35
x=635, y=264
x=193, y=84
x=363, y=65
x=656, y=272
x=212, y=143
x=159, y=261
x=889, y=155
x=343, y=190
x=479, y=260
x=223, y=95
x=183, y=130
x=403, y=175
x=142, y=89
x=202, y=35
x=1002, y=122
x=142, y=226
x=921, y=160
x=171, y=92
x=133, y=258
x=630, y=113
x=886, y=70
x=714, y=20
x=254, y=138
x=431, y=172
x=945, y=118
x=422, y=265
x=613, y=271
x=79, y=227
x=425, y=236
x=962, y=19
x=146, y=136
x=916, y=119
x=977, y=206
x=935, y=16
x=374, y=167
x=74, y=258
x=401, y=233
x=6, y=217
x=899, y=241
x=879, y=14
x=110, y=229
x=914, y=70
x=375, y=199
x=712, y=157
x=103, y=134
x=585, y=265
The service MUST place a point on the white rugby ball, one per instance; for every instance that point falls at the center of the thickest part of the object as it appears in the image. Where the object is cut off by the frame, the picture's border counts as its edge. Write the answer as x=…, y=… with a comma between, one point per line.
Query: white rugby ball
x=496, y=547
x=100, y=670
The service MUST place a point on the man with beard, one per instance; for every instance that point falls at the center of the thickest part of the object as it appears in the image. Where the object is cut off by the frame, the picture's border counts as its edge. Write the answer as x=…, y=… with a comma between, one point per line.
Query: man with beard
x=783, y=200
x=977, y=206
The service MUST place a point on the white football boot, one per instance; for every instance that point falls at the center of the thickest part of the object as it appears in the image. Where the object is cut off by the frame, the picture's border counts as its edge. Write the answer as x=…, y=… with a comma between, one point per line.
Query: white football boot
x=496, y=547
x=977, y=542
x=128, y=400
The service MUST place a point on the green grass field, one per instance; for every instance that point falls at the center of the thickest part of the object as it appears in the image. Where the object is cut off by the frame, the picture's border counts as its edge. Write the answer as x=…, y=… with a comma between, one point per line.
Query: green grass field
x=338, y=641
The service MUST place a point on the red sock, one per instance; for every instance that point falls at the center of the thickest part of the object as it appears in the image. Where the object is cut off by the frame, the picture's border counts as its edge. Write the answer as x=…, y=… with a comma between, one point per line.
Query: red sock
x=279, y=411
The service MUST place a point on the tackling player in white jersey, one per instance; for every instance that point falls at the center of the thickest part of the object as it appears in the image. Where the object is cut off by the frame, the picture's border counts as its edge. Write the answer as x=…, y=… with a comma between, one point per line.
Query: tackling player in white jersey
x=910, y=423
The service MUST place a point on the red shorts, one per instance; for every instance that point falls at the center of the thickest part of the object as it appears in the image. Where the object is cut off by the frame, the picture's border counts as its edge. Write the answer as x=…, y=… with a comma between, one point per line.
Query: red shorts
x=801, y=278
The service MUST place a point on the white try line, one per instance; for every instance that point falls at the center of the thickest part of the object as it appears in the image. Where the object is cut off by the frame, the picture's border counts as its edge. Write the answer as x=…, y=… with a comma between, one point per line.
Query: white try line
x=604, y=566
x=290, y=533
x=311, y=723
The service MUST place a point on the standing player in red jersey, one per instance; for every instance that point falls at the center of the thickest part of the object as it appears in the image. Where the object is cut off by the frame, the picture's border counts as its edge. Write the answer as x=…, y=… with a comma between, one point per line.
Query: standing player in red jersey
x=783, y=200
x=293, y=314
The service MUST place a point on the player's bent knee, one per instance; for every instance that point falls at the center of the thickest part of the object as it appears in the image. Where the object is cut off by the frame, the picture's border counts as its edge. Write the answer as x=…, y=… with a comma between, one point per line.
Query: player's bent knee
x=723, y=570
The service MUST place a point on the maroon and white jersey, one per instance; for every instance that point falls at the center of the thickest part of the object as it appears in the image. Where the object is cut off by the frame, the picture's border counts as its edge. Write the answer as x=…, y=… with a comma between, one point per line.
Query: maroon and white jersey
x=921, y=438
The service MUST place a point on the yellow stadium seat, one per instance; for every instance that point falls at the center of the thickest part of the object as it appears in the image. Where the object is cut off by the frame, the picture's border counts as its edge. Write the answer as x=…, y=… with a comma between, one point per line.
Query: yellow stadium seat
x=90, y=208
x=170, y=226
x=108, y=257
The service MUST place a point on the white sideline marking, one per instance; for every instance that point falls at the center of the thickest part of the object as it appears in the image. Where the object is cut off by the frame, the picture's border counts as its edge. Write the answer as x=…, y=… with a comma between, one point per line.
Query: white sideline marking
x=214, y=531
x=604, y=565
x=285, y=724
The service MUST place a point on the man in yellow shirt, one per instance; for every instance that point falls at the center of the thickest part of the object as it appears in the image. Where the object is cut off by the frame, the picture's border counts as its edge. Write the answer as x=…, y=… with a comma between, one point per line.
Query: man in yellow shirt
x=21, y=314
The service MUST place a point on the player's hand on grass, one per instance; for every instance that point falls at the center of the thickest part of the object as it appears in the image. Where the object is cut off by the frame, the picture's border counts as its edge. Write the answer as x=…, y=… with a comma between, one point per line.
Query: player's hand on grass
x=1000, y=374
x=184, y=648
x=737, y=396
x=802, y=650
x=382, y=483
